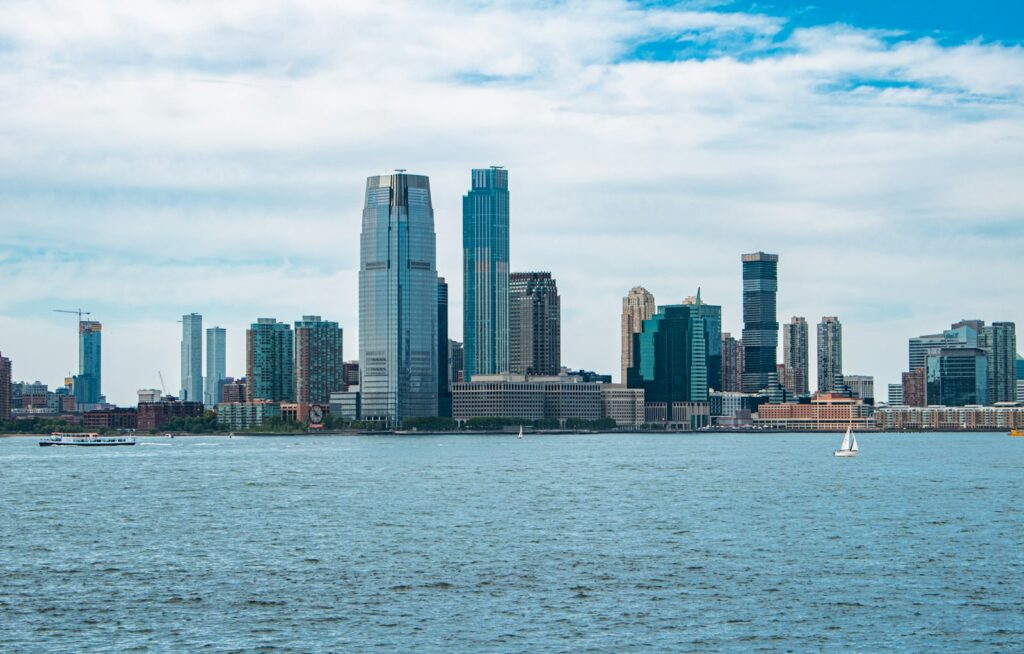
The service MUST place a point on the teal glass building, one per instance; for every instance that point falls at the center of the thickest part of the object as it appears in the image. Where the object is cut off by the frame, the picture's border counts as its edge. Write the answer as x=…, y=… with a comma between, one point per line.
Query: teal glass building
x=710, y=317
x=88, y=382
x=269, y=361
x=957, y=376
x=398, y=300
x=669, y=358
x=760, y=323
x=485, y=269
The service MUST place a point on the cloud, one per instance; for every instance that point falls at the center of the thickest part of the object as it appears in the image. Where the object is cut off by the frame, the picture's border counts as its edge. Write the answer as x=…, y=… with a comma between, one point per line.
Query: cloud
x=160, y=157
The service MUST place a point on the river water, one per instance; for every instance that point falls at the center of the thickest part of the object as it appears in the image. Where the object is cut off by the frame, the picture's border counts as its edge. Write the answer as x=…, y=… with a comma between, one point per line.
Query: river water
x=456, y=543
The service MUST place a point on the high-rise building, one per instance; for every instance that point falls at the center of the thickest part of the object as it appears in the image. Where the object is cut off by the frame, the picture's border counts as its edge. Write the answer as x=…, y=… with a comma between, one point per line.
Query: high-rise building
x=895, y=394
x=5, y=388
x=485, y=267
x=216, y=365
x=398, y=300
x=957, y=376
x=535, y=327
x=760, y=324
x=794, y=355
x=999, y=340
x=350, y=374
x=710, y=317
x=668, y=357
x=444, y=388
x=637, y=306
x=191, y=358
x=1020, y=371
x=269, y=361
x=830, y=354
x=88, y=382
x=862, y=386
x=319, y=357
x=915, y=387
x=456, y=362
x=732, y=363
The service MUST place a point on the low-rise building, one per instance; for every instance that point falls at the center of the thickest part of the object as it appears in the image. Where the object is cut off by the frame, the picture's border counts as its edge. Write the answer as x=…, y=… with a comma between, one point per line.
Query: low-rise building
x=347, y=405
x=246, y=415
x=295, y=411
x=949, y=418
x=622, y=404
x=825, y=412
x=527, y=398
x=156, y=415
x=148, y=395
x=115, y=418
x=895, y=394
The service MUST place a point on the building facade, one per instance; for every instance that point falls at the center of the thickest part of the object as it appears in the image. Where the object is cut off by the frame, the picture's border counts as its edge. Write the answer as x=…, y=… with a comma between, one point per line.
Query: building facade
x=216, y=365
x=760, y=323
x=825, y=412
x=795, y=355
x=710, y=318
x=88, y=383
x=155, y=415
x=444, y=388
x=830, y=354
x=5, y=388
x=637, y=306
x=269, y=361
x=732, y=363
x=669, y=358
x=246, y=415
x=862, y=386
x=895, y=394
x=398, y=299
x=915, y=387
x=192, y=358
x=943, y=418
x=456, y=363
x=999, y=340
x=113, y=418
x=233, y=390
x=957, y=376
x=319, y=360
x=485, y=269
x=549, y=397
x=535, y=327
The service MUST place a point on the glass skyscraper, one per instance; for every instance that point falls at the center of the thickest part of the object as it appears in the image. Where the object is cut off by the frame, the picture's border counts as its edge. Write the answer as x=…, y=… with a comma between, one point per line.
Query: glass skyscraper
x=88, y=382
x=710, y=318
x=760, y=324
x=192, y=358
x=485, y=269
x=216, y=351
x=398, y=299
x=669, y=360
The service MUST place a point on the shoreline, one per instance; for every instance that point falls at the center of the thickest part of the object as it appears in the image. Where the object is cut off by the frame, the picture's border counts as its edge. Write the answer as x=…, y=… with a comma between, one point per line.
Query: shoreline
x=760, y=432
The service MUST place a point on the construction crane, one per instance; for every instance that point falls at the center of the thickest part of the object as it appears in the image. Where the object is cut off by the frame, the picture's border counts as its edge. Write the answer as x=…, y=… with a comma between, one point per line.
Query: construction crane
x=80, y=312
x=162, y=385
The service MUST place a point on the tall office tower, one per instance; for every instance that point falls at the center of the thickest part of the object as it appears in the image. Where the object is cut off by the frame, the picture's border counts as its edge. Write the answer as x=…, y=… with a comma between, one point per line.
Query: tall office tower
x=915, y=387
x=999, y=340
x=398, y=300
x=710, y=317
x=535, y=334
x=319, y=360
x=732, y=363
x=456, y=362
x=5, y=388
x=668, y=357
x=966, y=333
x=637, y=306
x=485, y=291
x=830, y=354
x=269, y=361
x=216, y=364
x=794, y=355
x=88, y=382
x=444, y=389
x=1020, y=370
x=191, y=358
x=957, y=376
x=760, y=325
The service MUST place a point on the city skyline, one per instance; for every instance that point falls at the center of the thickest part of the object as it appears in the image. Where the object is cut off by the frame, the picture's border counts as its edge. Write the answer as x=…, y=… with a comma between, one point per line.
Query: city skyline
x=810, y=134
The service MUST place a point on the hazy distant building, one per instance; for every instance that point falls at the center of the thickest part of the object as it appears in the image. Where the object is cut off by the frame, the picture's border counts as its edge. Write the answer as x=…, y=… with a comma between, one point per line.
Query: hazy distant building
x=444, y=392
x=760, y=324
x=216, y=364
x=485, y=267
x=732, y=363
x=637, y=306
x=319, y=358
x=862, y=386
x=88, y=382
x=269, y=361
x=999, y=341
x=669, y=361
x=535, y=333
x=398, y=300
x=895, y=394
x=915, y=387
x=350, y=374
x=795, y=355
x=5, y=388
x=710, y=318
x=830, y=354
x=957, y=376
x=192, y=358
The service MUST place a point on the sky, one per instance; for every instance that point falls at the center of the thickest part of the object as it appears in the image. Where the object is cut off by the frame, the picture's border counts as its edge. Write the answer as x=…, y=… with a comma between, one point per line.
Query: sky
x=159, y=158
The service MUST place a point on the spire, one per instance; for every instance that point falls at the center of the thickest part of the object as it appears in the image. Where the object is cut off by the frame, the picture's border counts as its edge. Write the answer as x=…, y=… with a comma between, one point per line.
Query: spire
x=698, y=296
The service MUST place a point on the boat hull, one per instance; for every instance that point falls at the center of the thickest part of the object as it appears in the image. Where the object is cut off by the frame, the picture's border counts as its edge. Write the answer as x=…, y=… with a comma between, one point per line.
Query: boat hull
x=842, y=453
x=56, y=444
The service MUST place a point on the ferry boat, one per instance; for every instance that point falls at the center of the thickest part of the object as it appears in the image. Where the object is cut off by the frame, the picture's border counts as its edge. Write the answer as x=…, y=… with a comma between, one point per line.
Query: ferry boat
x=1017, y=432
x=84, y=439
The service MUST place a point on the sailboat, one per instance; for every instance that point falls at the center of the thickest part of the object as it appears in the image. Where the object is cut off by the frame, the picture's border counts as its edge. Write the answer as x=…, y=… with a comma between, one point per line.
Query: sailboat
x=849, y=446
x=520, y=435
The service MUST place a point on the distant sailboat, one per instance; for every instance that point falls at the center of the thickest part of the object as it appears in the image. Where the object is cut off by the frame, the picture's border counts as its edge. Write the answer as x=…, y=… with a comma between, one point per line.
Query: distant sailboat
x=849, y=446
x=520, y=435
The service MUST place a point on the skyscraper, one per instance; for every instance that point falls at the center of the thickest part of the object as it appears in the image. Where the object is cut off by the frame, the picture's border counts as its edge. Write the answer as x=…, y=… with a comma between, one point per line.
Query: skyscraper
x=794, y=355
x=192, y=358
x=668, y=357
x=444, y=388
x=915, y=387
x=957, y=376
x=398, y=299
x=999, y=340
x=732, y=363
x=830, y=354
x=216, y=366
x=710, y=318
x=535, y=334
x=637, y=306
x=269, y=361
x=5, y=388
x=88, y=382
x=760, y=325
x=319, y=360
x=485, y=268
x=456, y=362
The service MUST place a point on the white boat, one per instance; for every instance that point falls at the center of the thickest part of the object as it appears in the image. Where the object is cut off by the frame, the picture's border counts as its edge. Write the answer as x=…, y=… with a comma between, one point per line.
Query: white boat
x=849, y=445
x=520, y=435
x=84, y=439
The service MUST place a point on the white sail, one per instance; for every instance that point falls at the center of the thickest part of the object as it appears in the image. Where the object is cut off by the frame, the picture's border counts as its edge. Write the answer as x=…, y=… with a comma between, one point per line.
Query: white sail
x=853, y=448
x=845, y=447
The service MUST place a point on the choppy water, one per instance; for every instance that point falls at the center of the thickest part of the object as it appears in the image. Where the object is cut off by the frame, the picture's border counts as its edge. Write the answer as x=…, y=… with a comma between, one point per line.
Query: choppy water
x=738, y=543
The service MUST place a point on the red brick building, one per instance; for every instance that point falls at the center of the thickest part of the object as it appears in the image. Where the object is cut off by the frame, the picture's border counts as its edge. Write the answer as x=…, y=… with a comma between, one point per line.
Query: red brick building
x=110, y=419
x=156, y=415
